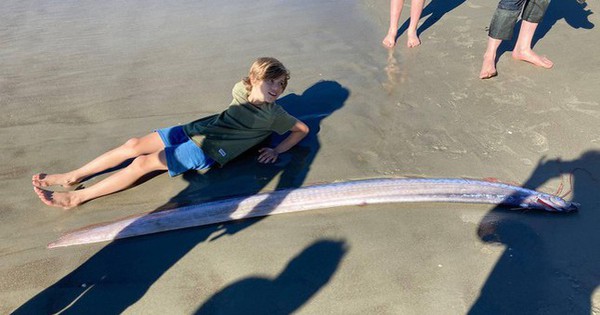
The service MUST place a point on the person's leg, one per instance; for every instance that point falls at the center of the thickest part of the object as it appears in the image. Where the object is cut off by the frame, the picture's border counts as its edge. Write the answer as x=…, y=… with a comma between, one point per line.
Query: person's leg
x=532, y=14
x=416, y=8
x=501, y=28
x=118, y=181
x=395, y=10
x=132, y=148
x=488, y=69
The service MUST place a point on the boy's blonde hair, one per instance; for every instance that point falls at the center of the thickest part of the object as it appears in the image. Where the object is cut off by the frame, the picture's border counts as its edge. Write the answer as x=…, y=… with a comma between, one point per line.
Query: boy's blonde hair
x=266, y=68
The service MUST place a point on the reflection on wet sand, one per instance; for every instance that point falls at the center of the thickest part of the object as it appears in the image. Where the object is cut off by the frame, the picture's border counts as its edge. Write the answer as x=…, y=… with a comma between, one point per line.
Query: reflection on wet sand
x=394, y=75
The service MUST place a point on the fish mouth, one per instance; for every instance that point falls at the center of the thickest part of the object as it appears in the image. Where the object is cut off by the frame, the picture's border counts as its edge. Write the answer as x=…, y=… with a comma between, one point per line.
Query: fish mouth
x=569, y=207
x=572, y=206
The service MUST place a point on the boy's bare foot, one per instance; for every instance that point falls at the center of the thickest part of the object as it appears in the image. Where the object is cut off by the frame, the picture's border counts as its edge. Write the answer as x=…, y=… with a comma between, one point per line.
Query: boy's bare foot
x=413, y=39
x=65, y=200
x=488, y=69
x=390, y=39
x=45, y=180
x=531, y=57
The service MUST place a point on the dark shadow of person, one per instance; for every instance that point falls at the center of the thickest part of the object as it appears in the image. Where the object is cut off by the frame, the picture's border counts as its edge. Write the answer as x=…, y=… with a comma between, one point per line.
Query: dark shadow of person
x=436, y=9
x=300, y=280
x=118, y=275
x=315, y=104
x=574, y=13
x=551, y=264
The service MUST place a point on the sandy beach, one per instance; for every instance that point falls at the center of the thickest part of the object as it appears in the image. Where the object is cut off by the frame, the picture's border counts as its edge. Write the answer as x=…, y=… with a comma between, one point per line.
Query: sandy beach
x=78, y=78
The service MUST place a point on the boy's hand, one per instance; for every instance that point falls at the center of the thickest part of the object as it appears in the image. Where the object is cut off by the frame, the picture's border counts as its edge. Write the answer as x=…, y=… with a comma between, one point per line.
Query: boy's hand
x=267, y=155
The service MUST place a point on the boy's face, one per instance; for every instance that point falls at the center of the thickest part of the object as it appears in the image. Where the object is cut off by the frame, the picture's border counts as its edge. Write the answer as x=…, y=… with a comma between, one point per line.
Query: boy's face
x=266, y=91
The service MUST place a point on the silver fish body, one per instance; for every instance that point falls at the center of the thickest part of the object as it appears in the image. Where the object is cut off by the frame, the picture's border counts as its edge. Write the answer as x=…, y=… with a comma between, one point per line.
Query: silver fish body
x=350, y=193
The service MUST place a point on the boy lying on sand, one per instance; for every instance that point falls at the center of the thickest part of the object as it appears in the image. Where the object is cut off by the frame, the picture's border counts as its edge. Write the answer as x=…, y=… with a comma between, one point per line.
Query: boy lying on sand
x=251, y=117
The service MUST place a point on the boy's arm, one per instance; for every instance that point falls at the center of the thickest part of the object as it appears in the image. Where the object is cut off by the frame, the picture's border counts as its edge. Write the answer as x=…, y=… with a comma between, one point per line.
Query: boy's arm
x=269, y=155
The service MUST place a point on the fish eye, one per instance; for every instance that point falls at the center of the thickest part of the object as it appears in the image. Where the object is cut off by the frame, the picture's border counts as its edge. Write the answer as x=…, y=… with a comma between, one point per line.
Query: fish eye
x=557, y=200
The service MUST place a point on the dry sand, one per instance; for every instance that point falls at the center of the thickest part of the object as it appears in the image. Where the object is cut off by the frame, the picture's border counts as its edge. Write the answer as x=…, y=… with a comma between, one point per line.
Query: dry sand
x=79, y=77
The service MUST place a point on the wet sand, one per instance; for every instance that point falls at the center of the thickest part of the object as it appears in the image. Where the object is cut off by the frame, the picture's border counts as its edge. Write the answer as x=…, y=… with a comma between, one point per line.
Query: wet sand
x=78, y=78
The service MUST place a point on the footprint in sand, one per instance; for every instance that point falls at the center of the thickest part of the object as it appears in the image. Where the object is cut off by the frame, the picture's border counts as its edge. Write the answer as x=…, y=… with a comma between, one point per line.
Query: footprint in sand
x=539, y=141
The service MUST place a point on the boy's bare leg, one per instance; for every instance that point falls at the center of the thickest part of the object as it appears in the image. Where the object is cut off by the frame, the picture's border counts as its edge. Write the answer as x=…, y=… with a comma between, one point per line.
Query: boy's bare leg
x=488, y=69
x=118, y=181
x=416, y=8
x=130, y=149
x=395, y=10
x=523, y=49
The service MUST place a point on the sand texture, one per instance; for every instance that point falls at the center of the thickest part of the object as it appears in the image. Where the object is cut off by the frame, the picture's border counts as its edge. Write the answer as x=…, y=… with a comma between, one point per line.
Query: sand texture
x=78, y=78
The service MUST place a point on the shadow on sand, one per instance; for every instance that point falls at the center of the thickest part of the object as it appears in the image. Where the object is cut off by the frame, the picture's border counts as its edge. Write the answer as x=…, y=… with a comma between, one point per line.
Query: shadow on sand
x=434, y=11
x=551, y=264
x=575, y=14
x=302, y=278
x=119, y=275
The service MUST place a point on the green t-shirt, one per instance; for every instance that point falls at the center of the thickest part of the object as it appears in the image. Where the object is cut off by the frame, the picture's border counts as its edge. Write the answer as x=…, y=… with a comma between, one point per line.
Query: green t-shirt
x=240, y=127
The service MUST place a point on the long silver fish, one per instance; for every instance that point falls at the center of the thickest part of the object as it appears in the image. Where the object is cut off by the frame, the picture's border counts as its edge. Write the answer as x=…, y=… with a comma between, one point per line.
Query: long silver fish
x=350, y=193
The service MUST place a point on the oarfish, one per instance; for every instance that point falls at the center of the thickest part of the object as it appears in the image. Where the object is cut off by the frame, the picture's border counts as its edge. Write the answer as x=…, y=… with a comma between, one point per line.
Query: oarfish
x=349, y=193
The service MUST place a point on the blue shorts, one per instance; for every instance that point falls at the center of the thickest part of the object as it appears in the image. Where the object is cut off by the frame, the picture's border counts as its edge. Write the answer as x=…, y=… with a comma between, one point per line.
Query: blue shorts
x=182, y=153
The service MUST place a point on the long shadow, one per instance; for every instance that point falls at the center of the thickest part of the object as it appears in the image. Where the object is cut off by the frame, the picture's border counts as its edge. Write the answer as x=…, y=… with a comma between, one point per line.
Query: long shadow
x=436, y=9
x=119, y=275
x=575, y=14
x=301, y=279
x=551, y=264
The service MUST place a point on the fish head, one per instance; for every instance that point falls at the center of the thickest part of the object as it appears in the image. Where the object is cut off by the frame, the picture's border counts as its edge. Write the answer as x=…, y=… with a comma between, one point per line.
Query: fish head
x=555, y=204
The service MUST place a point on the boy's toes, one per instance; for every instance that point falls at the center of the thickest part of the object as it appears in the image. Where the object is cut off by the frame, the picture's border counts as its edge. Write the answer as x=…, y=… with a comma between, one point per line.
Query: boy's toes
x=63, y=200
x=44, y=195
x=38, y=180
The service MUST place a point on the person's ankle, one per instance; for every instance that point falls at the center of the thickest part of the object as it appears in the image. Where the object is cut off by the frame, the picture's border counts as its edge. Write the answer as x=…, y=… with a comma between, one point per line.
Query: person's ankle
x=75, y=199
x=520, y=49
x=489, y=55
x=72, y=179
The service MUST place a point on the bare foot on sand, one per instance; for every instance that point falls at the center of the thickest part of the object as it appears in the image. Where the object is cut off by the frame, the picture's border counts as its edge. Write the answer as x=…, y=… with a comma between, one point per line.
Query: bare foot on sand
x=65, y=200
x=531, y=57
x=413, y=39
x=45, y=180
x=390, y=39
x=488, y=69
